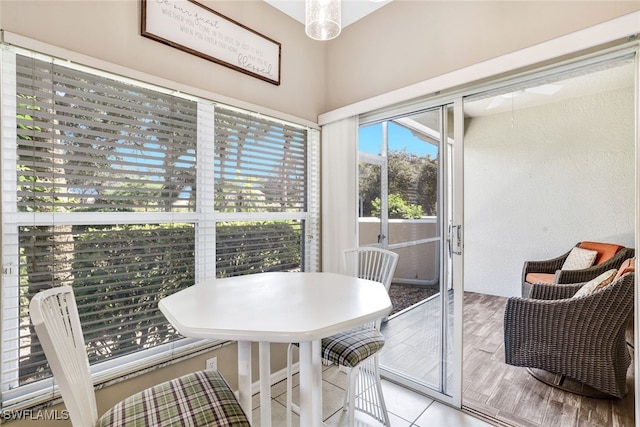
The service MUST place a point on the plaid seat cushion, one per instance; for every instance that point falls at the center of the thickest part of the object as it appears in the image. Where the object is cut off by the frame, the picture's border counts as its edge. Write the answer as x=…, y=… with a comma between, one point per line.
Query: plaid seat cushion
x=199, y=399
x=352, y=347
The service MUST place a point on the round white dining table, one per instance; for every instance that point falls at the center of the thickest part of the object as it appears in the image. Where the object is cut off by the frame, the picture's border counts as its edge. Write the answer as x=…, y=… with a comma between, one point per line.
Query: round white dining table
x=277, y=307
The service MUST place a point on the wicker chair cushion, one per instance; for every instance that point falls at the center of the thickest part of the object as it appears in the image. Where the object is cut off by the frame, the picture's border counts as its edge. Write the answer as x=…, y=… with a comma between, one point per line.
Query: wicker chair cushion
x=199, y=399
x=628, y=266
x=540, y=278
x=605, y=250
x=352, y=347
x=579, y=258
x=596, y=283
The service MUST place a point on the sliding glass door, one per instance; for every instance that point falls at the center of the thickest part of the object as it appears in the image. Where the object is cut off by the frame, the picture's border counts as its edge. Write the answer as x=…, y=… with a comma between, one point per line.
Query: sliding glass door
x=407, y=171
x=548, y=159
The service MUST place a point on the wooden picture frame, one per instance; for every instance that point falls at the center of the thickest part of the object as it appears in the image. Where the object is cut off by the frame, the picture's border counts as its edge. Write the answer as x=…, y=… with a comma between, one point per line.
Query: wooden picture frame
x=191, y=27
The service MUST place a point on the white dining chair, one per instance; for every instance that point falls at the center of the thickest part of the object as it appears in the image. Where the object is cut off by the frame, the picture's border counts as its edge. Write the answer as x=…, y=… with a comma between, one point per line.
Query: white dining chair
x=201, y=398
x=357, y=350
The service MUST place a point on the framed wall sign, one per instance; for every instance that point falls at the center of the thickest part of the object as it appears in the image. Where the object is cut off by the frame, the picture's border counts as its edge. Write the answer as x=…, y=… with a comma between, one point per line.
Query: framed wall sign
x=194, y=28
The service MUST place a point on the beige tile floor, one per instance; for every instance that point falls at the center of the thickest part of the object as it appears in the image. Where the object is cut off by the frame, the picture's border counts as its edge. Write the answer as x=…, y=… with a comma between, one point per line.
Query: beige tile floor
x=405, y=407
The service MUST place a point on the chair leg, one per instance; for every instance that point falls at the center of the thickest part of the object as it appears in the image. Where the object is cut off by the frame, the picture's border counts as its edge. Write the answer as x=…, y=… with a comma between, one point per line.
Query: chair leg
x=367, y=393
x=364, y=391
x=345, y=400
x=289, y=383
x=351, y=394
x=381, y=402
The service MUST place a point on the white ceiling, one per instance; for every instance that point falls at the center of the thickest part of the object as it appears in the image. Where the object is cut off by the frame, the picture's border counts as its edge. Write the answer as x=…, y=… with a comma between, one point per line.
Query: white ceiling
x=352, y=10
x=592, y=81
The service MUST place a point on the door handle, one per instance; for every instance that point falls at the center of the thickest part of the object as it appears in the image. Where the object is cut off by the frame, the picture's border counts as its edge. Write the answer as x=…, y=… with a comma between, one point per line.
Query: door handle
x=458, y=237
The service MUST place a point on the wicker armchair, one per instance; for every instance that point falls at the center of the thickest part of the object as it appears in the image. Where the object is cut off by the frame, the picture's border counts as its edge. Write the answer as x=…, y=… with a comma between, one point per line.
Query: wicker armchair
x=553, y=267
x=581, y=338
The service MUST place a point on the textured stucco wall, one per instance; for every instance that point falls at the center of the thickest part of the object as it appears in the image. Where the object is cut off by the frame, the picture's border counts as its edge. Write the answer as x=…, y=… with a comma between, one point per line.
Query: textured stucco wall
x=563, y=173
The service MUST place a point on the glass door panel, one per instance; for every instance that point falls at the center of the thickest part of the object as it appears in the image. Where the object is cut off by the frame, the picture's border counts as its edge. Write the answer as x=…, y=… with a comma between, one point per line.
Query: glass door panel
x=530, y=146
x=405, y=196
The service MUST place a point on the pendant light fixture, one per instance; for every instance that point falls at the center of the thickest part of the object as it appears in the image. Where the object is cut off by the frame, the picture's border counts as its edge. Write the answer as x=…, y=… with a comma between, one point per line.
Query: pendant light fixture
x=323, y=19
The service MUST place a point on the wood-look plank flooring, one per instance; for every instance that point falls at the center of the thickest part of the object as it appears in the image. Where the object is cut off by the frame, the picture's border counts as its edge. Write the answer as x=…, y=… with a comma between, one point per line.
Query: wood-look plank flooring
x=506, y=395
x=510, y=394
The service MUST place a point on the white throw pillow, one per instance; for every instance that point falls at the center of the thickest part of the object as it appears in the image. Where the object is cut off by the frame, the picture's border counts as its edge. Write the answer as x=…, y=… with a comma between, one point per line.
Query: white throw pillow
x=596, y=283
x=579, y=258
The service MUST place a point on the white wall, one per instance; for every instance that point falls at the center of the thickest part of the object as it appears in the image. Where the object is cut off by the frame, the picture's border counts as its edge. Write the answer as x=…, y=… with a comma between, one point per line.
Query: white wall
x=563, y=173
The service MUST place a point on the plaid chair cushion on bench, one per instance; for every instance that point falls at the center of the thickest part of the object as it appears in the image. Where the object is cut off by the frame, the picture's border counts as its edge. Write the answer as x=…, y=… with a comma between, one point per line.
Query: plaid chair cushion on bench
x=170, y=404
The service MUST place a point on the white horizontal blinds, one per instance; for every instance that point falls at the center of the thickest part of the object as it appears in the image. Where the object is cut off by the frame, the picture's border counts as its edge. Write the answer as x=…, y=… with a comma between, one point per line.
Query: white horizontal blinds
x=110, y=145
x=118, y=273
x=260, y=163
x=90, y=147
x=119, y=305
x=260, y=168
x=245, y=247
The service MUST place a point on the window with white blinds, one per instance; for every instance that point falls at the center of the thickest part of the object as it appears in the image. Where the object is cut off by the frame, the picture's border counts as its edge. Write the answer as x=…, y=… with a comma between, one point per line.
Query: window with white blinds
x=260, y=166
x=127, y=193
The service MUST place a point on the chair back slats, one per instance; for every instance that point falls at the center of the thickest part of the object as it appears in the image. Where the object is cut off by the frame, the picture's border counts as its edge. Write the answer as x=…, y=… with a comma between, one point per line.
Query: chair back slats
x=54, y=315
x=371, y=263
